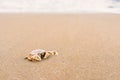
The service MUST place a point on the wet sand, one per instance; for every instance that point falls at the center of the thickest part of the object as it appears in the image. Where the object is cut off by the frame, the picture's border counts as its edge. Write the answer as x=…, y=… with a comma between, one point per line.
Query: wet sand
x=88, y=46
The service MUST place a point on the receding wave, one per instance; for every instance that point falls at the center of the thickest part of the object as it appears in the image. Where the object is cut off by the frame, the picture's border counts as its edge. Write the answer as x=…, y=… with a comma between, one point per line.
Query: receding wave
x=62, y=6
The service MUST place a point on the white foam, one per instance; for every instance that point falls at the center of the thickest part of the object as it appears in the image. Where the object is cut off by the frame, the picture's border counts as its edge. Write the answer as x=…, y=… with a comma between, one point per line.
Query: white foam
x=58, y=6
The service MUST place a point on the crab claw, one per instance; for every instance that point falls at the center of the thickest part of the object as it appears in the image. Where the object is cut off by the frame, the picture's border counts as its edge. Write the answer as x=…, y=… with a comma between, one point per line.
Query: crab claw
x=54, y=53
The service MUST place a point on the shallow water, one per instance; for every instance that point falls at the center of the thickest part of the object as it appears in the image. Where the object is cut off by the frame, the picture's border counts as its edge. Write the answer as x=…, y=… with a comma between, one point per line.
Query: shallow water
x=66, y=6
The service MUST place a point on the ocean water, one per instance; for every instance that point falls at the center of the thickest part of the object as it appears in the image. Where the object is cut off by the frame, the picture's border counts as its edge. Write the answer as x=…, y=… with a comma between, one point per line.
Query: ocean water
x=61, y=6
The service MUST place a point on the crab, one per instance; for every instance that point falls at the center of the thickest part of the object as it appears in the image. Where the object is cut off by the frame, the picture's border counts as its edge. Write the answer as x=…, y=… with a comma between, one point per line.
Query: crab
x=39, y=54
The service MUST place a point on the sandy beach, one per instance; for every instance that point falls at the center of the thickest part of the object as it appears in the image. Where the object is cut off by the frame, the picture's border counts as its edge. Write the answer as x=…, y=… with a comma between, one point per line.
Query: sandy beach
x=88, y=46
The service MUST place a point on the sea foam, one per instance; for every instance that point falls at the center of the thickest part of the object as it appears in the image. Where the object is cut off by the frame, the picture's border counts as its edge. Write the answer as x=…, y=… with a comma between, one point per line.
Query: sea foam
x=61, y=6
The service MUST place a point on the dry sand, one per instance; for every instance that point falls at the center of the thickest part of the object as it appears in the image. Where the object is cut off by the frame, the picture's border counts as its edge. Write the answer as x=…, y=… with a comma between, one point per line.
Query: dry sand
x=88, y=46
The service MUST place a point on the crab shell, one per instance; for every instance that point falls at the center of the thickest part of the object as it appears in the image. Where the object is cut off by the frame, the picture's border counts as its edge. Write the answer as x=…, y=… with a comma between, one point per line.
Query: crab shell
x=38, y=55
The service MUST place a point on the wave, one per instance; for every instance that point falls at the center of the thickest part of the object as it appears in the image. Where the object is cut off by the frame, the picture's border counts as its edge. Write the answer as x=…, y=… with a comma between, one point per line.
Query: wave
x=61, y=6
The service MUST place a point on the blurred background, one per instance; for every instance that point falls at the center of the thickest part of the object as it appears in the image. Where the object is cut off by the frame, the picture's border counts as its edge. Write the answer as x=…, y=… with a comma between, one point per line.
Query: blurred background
x=61, y=6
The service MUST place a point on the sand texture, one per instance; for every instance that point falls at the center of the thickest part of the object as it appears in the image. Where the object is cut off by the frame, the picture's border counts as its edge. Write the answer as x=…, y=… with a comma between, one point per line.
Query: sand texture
x=88, y=46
